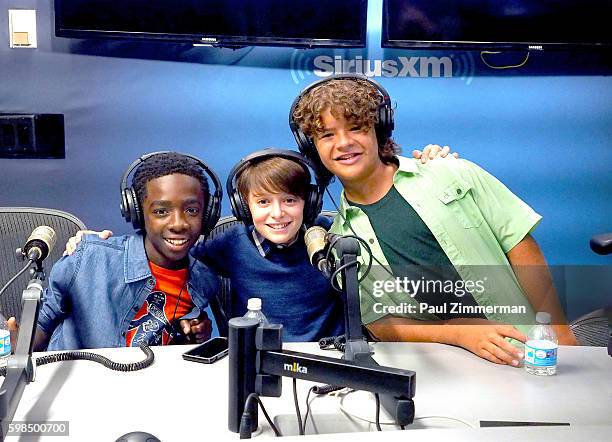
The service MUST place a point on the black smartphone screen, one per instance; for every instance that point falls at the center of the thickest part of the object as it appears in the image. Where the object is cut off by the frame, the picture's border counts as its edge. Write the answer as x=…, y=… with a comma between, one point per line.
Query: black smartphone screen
x=209, y=351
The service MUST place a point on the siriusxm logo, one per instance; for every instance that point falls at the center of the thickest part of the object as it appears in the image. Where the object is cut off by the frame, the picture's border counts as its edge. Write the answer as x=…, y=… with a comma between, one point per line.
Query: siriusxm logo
x=322, y=66
x=418, y=67
x=295, y=368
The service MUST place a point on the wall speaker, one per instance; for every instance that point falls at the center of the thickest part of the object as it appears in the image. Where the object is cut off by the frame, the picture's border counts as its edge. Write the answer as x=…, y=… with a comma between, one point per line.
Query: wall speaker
x=32, y=136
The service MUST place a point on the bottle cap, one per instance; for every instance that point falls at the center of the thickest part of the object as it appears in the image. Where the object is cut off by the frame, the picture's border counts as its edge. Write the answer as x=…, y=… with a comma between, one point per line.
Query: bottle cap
x=254, y=304
x=543, y=318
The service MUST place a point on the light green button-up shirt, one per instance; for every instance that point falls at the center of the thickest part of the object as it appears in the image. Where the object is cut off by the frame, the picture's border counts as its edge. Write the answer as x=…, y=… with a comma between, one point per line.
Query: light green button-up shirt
x=475, y=219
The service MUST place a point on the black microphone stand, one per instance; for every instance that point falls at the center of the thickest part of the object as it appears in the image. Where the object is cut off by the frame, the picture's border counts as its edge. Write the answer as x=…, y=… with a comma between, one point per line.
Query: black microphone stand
x=257, y=361
x=20, y=367
x=400, y=408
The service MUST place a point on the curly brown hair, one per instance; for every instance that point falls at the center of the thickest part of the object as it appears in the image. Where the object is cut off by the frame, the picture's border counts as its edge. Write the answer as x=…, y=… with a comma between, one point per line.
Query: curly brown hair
x=354, y=99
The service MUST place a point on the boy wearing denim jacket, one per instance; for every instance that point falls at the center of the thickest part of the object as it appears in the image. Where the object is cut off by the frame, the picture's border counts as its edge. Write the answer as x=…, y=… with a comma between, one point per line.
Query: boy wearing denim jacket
x=136, y=288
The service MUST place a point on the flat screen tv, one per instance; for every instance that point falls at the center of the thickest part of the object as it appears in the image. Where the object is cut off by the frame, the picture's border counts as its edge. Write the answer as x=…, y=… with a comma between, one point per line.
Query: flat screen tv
x=497, y=24
x=231, y=23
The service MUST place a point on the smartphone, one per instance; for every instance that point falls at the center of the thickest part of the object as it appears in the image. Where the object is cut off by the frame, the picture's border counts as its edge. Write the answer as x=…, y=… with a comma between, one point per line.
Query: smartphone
x=208, y=352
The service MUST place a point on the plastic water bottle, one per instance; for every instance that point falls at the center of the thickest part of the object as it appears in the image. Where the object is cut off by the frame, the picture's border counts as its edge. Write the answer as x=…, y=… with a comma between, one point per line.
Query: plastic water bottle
x=5, y=341
x=541, y=347
x=254, y=311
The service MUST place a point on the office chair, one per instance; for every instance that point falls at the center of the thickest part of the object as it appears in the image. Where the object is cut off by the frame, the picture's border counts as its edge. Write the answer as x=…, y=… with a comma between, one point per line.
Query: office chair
x=592, y=329
x=222, y=306
x=16, y=225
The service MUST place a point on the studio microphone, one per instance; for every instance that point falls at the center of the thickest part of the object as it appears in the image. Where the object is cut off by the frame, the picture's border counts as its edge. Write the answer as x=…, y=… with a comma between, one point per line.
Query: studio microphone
x=315, y=245
x=40, y=243
x=317, y=239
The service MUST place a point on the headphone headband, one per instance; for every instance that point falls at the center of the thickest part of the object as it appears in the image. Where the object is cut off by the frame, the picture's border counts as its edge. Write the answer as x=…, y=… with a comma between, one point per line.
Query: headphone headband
x=313, y=200
x=383, y=92
x=384, y=127
x=130, y=206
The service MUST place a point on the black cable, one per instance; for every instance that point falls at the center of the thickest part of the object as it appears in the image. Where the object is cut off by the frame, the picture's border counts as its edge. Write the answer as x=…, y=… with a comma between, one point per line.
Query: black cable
x=297, y=407
x=326, y=342
x=170, y=327
x=88, y=356
x=16, y=276
x=325, y=389
x=307, y=406
x=363, y=243
x=245, y=421
x=355, y=233
x=338, y=342
x=318, y=390
x=377, y=411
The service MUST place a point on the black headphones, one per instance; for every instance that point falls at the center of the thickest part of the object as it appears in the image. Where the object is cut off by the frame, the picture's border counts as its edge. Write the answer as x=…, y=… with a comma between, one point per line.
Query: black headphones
x=383, y=128
x=132, y=212
x=314, y=196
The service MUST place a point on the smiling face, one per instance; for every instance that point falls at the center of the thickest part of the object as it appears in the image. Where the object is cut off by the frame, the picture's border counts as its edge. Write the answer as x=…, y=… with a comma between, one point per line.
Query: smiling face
x=277, y=216
x=348, y=150
x=173, y=210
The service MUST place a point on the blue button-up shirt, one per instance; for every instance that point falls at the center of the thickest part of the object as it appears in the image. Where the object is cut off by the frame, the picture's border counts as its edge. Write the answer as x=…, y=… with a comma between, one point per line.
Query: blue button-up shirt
x=95, y=293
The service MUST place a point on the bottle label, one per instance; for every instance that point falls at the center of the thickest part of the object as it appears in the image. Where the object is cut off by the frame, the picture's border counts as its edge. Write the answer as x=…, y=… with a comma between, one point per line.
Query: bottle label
x=541, y=353
x=5, y=342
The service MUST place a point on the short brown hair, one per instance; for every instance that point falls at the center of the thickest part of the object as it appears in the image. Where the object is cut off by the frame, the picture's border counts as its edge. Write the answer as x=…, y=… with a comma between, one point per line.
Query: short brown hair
x=356, y=100
x=274, y=175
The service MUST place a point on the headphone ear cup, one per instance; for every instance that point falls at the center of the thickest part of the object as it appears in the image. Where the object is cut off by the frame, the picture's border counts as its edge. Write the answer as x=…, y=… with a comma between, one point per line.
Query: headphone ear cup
x=313, y=205
x=207, y=216
x=243, y=209
x=385, y=121
x=133, y=207
x=305, y=143
x=123, y=206
x=239, y=208
x=215, y=213
x=234, y=205
x=212, y=215
x=307, y=147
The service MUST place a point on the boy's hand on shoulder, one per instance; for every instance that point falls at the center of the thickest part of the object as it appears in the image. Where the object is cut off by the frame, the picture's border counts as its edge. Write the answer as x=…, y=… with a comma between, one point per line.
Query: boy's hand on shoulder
x=74, y=241
x=432, y=151
x=197, y=330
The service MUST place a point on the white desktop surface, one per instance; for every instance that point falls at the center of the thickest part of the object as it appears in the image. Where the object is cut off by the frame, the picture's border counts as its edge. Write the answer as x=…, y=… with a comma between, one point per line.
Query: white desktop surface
x=177, y=400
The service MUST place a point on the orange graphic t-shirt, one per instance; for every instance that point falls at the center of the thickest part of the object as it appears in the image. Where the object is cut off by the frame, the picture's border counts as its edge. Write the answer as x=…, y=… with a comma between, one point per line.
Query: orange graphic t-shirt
x=153, y=322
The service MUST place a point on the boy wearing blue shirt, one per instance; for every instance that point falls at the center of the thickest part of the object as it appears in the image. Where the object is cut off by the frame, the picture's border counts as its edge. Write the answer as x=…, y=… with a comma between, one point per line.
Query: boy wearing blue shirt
x=265, y=257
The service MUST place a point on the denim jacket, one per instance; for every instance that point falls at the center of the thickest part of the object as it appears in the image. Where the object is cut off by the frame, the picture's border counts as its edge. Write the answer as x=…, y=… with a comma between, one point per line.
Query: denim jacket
x=94, y=294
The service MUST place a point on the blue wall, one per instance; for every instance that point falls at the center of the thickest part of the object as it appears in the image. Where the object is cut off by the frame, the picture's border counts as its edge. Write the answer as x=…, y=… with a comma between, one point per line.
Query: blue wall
x=545, y=132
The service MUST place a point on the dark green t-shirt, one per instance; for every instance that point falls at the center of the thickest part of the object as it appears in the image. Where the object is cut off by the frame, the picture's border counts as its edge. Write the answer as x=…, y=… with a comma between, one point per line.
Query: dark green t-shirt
x=413, y=251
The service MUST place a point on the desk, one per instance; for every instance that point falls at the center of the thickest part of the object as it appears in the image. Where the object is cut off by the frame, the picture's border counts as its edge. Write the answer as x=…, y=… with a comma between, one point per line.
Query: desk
x=101, y=405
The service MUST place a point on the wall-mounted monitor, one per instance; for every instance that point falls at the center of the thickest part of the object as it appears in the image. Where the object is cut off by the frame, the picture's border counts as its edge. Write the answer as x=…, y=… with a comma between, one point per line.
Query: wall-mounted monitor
x=497, y=24
x=230, y=23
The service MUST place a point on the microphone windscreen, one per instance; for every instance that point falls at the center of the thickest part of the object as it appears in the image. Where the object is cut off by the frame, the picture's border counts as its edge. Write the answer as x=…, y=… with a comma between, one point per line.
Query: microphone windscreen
x=45, y=234
x=315, y=241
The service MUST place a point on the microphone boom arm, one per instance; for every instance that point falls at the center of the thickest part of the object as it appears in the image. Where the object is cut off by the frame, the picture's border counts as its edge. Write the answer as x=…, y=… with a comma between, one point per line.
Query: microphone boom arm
x=20, y=368
x=257, y=363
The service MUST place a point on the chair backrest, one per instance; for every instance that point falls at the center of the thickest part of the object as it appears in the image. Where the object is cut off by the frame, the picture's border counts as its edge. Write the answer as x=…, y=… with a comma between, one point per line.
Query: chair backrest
x=593, y=328
x=16, y=225
x=222, y=307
